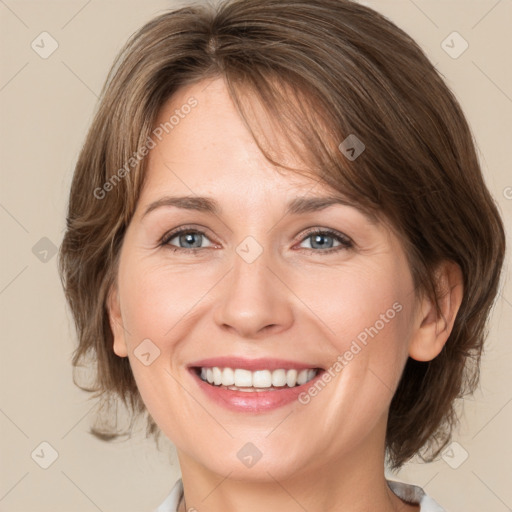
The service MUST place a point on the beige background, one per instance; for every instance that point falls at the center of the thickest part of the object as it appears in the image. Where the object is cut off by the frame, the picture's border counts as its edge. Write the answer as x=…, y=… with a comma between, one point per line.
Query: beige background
x=46, y=106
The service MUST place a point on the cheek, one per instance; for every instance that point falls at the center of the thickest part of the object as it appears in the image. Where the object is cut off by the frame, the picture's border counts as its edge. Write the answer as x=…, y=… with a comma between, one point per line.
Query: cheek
x=360, y=302
x=366, y=317
x=161, y=303
x=158, y=298
x=365, y=326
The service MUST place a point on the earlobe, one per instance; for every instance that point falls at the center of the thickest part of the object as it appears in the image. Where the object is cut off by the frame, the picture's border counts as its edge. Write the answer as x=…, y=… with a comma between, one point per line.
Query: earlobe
x=116, y=323
x=432, y=327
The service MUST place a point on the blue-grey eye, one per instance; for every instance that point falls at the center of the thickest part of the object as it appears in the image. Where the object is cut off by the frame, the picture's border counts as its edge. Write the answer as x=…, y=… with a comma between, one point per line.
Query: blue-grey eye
x=187, y=239
x=325, y=240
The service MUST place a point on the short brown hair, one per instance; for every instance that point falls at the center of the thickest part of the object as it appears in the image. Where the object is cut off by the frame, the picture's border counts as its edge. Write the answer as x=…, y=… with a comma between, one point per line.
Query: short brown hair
x=323, y=69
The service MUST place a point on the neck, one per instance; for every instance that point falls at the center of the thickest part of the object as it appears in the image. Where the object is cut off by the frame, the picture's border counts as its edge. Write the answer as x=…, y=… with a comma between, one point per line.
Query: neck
x=354, y=484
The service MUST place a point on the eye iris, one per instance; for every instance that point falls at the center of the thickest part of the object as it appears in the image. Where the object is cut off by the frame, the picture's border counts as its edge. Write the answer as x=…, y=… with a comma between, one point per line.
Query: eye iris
x=188, y=238
x=317, y=238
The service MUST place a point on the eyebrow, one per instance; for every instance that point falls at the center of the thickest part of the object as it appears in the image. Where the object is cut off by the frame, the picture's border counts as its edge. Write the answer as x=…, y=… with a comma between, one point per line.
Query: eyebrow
x=297, y=206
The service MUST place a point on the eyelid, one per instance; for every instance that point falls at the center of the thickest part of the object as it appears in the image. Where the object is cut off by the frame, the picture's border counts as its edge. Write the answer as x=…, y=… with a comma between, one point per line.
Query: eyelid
x=345, y=241
x=327, y=231
x=169, y=235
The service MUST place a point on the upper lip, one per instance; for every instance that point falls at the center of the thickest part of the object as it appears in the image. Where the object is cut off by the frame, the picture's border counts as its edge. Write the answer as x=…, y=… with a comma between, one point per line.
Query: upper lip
x=263, y=363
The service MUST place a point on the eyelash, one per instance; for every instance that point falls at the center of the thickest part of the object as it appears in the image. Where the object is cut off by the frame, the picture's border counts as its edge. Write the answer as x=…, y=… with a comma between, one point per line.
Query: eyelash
x=345, y=241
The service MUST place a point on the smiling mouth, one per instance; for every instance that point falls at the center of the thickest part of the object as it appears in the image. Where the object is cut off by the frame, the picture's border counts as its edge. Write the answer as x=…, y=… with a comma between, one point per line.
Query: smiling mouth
x=238, y=379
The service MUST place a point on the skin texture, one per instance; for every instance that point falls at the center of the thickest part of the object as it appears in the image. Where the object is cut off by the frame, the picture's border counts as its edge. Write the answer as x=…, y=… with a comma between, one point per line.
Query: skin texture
x=295, y=301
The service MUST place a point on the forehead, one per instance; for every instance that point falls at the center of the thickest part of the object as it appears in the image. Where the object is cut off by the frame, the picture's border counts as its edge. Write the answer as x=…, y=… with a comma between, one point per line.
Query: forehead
x=215, y=126
x=209, y=147
x=205, y=151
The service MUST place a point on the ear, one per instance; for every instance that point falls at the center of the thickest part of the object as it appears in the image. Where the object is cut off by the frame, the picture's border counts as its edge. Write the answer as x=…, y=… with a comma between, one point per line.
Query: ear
x=116, y=322
x=432, y=329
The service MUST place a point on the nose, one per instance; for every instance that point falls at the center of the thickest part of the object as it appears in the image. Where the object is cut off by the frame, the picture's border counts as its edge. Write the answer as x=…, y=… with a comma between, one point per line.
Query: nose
x=254, y=300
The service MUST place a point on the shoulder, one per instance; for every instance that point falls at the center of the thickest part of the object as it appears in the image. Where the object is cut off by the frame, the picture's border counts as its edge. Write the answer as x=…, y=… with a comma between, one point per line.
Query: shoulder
x=415, y=495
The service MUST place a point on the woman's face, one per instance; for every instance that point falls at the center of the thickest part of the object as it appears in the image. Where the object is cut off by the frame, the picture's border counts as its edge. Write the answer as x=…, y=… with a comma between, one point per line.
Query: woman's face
x=262, y=295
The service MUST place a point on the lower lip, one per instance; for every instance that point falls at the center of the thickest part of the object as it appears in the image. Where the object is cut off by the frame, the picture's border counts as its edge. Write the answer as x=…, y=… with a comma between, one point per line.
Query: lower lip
x=252, y=401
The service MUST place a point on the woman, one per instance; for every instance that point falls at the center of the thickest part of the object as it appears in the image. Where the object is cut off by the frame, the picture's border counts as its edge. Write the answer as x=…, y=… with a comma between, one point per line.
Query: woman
x=280, y=246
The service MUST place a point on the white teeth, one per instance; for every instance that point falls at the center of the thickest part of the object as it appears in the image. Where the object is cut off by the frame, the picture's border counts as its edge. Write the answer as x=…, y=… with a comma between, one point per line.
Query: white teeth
x=243, y=378
x=238, y=378
x=279, y=378
x=217, y=376
x=261, y=379
x=302, y=377
x=228, y=377
x=291, y=378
